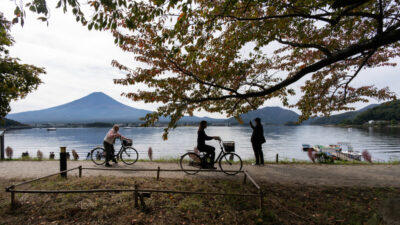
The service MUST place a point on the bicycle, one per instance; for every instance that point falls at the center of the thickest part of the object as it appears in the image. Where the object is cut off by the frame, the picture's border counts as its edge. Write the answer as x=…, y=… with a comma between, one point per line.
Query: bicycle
x=126, y=153
x=228, y=161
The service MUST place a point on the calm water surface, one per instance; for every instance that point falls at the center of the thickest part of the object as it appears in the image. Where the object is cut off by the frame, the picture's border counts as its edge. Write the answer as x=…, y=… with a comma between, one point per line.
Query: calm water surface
x=382, y=143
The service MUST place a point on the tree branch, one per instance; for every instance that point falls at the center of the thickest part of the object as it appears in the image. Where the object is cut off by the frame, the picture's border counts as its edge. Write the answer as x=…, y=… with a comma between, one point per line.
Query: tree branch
x=388, y=37
x=301, y=15
x=302, y=45
x=356, y=73
x=190, y=74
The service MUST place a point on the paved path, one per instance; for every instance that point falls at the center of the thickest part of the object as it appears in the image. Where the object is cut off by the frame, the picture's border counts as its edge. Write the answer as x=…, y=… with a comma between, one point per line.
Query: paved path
x=293, y=174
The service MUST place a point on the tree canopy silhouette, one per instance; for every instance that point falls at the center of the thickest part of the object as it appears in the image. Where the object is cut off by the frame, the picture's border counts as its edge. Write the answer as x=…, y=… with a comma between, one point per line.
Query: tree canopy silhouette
x=232, y=56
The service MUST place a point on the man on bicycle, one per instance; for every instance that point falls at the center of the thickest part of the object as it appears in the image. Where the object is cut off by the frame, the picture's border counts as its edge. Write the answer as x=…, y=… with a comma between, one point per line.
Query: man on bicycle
x=201, y=144
x=109, y=141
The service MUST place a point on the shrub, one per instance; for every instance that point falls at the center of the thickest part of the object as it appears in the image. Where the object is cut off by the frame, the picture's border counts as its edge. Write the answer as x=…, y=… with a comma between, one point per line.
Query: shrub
x=9, y=152
x=25, y=155
x=75, y=155
x=39, y=155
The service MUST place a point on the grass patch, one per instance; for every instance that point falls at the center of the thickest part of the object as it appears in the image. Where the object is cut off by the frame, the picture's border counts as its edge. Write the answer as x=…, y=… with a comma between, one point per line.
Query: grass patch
x=283, y=204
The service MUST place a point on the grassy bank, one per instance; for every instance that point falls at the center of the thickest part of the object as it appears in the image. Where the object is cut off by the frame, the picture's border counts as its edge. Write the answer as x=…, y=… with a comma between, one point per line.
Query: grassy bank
x=283, y=204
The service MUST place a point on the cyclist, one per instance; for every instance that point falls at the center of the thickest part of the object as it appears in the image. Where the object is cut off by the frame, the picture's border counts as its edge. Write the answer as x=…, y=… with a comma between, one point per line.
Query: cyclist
x=109, y=141
x=201, y=144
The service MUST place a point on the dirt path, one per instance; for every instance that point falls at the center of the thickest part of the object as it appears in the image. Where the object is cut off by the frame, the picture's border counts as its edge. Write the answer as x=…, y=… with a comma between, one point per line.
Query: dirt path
x=294, y=174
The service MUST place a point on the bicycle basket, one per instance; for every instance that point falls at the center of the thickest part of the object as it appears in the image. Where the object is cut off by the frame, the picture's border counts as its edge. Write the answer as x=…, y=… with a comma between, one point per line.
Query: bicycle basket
x=229, y=146
x=127, y=142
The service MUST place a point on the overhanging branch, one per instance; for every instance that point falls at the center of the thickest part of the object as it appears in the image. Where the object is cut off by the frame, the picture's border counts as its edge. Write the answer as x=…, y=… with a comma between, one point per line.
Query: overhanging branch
x=378, y=41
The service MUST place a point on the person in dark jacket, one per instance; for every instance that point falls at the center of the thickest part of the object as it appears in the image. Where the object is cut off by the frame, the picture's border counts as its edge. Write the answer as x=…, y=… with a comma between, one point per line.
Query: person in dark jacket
x=257, y=139
x=201, y=143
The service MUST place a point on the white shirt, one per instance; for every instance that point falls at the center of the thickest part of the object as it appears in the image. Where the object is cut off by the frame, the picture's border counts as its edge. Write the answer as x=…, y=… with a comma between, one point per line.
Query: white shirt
x=111, y=136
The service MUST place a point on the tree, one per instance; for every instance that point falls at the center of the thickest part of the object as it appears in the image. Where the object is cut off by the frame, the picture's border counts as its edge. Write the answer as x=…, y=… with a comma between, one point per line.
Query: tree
x=16, y=80
x=231, y=56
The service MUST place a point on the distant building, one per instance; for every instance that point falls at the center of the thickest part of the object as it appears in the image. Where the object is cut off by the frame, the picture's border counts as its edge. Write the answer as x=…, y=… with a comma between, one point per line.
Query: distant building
x=378, y=122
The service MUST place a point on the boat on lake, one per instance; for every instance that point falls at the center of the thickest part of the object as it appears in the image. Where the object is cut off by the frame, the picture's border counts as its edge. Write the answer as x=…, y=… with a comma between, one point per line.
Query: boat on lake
x=51, y=129
x=341, y=150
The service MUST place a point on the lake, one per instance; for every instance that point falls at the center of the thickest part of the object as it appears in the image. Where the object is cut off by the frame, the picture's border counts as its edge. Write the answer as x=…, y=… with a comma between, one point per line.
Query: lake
x=382, y=143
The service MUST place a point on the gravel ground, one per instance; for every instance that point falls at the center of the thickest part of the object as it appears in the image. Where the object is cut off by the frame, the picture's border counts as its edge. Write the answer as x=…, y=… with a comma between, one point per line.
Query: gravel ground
x=292, y=174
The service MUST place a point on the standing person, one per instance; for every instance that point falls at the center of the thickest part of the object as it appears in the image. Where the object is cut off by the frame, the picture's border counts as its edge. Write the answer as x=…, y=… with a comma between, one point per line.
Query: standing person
x=201, y=143
x=108, y=143
x=257, y=139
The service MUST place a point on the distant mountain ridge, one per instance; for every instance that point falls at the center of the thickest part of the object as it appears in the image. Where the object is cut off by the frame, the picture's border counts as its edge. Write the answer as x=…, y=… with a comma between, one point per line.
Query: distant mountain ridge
x=387, y=111
x=95, y=107
x=7, y=123
x=338, y=118
x=98, y=107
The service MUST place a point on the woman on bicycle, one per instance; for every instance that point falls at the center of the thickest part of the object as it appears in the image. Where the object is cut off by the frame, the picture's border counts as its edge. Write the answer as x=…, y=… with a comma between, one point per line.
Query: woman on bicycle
x=108, y=143
x=201, y=143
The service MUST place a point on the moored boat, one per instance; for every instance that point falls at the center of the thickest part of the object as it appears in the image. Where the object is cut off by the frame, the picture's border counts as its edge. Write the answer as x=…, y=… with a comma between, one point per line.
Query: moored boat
x=342, y=151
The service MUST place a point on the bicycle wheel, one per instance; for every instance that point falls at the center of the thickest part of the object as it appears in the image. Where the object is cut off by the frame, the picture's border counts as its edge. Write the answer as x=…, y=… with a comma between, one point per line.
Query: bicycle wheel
x=129, y=155
x=190, y=163
x=98, y=156
x=230, y=163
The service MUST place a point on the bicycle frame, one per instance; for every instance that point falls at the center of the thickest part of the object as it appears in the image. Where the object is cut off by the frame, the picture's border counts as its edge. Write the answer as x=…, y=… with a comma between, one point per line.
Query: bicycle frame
x=120, y=151
x=221, y=153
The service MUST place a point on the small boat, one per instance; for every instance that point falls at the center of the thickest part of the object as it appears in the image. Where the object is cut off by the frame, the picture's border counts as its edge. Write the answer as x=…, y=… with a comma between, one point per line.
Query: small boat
x=342, y=151
x=51, y=129
x=127, y=127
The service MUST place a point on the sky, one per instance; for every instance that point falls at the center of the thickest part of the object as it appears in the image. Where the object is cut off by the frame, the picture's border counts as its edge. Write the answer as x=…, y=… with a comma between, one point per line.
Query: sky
x=78, y=62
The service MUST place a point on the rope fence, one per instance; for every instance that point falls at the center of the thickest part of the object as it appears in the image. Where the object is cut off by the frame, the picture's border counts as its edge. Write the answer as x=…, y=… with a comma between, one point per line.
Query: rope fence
x=137, y=192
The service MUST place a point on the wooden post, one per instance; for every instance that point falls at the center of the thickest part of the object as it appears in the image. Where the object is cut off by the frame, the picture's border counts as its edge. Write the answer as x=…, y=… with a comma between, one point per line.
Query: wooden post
x=12, y=200
x=261, y=200
x=245, y=178
x=2, y=145
x=80, y=171
x=63, y=161
x=277, y=158
x=135, y=196
x=158, y=173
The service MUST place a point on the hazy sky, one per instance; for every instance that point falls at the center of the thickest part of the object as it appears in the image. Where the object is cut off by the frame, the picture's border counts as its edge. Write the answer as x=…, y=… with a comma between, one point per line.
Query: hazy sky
x=78, y=62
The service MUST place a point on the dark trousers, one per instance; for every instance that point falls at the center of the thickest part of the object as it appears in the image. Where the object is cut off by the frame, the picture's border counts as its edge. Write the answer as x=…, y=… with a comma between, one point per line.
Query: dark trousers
x=210, y=150
x=109, y=151
x=257, y=148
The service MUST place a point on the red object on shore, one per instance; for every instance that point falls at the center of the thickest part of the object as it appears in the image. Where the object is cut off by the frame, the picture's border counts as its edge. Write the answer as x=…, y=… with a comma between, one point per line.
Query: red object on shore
x=367, y=157
x=311, y=154
x=150, y=153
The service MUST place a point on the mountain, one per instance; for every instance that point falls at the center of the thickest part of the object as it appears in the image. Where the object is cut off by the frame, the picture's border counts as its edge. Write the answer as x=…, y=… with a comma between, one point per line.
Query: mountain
x=268, y=115
x=336, y=119
x=387, y=111
x=95, y=107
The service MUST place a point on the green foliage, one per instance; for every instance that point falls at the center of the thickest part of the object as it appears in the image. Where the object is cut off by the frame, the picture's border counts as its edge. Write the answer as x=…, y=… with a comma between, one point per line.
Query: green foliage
x=9, y=123
x=16, y=80
x=389, y=111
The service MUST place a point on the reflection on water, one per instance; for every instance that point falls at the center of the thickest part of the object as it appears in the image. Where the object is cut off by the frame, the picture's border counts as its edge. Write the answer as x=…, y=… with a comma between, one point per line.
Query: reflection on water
x=382, y=143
